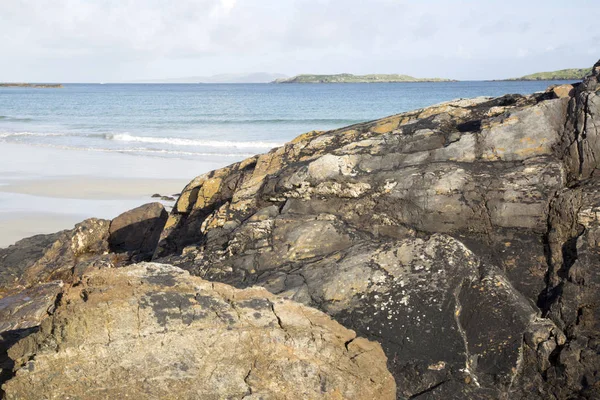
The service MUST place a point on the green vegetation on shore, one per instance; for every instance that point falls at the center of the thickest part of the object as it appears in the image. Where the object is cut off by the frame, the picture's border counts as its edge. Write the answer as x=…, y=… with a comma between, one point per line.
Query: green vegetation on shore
x=563, y=74
x=33, y=85
x=350, y=78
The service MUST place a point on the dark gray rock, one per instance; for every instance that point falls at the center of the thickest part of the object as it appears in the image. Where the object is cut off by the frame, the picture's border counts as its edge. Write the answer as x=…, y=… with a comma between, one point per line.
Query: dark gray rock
x=44, y=258
x=137, y=231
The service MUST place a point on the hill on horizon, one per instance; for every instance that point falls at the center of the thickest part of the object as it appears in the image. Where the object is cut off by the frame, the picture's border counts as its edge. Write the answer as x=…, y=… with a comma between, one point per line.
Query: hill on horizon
x=562, y=74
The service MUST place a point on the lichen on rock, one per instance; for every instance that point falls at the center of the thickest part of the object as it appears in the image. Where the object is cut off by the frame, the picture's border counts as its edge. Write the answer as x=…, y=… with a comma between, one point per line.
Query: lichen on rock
x=153, y=331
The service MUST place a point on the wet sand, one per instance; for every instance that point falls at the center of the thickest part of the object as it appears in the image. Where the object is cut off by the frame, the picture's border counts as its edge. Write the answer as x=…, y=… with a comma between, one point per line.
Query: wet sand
x=44, y=190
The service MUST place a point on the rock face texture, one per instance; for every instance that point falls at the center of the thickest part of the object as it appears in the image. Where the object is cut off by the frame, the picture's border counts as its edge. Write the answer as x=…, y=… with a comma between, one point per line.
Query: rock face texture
x=153, y=331
x=138, y=230
x=34, y=271
x=452, y=235
x=464, y=238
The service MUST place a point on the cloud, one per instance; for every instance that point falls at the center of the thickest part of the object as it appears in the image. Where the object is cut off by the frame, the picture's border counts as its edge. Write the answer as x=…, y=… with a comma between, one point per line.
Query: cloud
x=112, y=39
x=228, y=5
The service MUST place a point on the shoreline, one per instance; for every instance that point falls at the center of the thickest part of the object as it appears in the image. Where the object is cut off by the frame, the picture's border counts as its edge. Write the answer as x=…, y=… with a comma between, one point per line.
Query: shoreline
x=94, y=188
x=45, y=190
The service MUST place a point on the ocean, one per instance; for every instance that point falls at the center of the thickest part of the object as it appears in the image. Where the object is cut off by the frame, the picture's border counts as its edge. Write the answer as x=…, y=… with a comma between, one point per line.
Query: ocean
x=222, y=122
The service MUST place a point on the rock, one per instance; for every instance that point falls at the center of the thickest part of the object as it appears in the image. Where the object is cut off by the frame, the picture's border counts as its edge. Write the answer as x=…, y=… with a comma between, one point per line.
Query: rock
x=167, y=198
x=334, y=219
x=153, y=331
x=29, y=307
x=572, y=299
x=57, y=256
x=138, y=230
x=156, y=195
x=20, y=315
x=33, y=272
x=563, y=90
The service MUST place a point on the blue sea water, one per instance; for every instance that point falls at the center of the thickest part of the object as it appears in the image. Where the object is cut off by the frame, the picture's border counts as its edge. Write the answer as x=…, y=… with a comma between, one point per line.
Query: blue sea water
x=211, y=120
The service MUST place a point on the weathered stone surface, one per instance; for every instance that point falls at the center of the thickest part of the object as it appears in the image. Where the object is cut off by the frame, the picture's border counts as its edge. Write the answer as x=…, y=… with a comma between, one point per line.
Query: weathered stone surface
x=44, y=258
x=581, y=144
x=137, y=231
x=572, y=299
x=334, y=219
x=21, y=314
x=153, y=331
x=29, y=307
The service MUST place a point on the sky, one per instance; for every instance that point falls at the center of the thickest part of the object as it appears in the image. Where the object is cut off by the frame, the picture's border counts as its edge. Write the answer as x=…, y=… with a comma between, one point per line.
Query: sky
x=128, y=40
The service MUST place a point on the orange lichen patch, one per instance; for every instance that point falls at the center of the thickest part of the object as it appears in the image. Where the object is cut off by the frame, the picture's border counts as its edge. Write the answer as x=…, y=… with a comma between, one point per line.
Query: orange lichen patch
x=385, y=125
x=266, y=164
x=563, y=90
x=247, y=162
x=428, y=112
x=307, y=136
x=185, y=199
x=171, y=221
x=444, y=109
x=491, y=156
x=527, y=140
x=511, y=120
x=533, y=151
x=350, y=133
x=207, y=191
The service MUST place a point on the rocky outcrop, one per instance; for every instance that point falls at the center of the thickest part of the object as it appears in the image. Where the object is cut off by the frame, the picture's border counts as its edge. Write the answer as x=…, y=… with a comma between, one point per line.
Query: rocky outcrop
x=56, y=256
x=442, y=233
x=153, y=331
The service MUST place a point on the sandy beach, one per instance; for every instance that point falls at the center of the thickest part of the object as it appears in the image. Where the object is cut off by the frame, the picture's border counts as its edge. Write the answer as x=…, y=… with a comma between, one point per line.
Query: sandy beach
x=44, y=190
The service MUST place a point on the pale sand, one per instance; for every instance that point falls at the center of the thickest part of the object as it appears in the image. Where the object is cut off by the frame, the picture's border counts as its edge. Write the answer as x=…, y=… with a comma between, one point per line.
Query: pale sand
x=46, y=190
x=22, y=225
x=95, y=188
x=31, y=207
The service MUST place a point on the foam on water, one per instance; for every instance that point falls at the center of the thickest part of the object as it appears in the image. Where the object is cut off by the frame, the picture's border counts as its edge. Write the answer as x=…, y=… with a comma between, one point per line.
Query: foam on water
x=125, y=137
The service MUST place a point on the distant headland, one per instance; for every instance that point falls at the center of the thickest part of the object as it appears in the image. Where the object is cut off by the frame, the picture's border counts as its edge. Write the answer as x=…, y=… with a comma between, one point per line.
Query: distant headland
x=33, y=85
x=563, y=74
x=350, y=78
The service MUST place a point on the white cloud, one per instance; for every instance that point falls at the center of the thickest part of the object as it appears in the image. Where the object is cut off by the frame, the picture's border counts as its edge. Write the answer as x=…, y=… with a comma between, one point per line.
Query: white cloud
x=228, y=5
x=74, y=40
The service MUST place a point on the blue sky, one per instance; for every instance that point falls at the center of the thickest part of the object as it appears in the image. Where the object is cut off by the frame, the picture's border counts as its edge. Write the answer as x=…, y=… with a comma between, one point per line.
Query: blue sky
x=124, y=40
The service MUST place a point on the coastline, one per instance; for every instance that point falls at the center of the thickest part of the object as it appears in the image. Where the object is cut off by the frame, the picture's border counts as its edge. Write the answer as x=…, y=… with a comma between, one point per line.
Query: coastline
x=44, y=190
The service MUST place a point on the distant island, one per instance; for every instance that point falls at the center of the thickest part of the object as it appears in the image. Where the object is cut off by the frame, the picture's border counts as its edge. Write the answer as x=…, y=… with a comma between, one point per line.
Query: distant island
x=33, y=85
x=350, y=78
x=563, y=74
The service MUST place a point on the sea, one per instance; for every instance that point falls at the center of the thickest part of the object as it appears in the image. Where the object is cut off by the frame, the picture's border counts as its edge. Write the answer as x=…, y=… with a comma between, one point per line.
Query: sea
x=224, y=122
